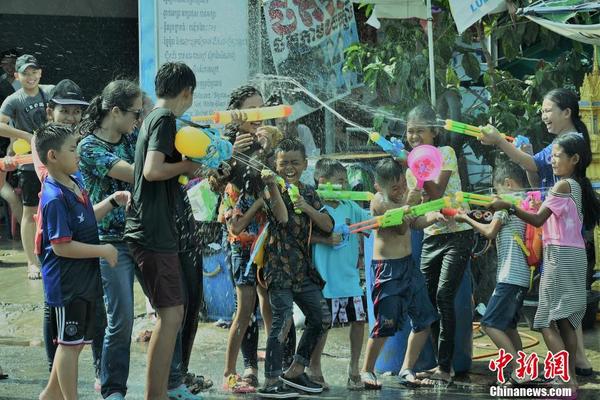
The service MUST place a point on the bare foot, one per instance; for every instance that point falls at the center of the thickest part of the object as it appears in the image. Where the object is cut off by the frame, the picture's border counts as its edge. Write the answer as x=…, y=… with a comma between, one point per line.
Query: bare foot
x=46, y=395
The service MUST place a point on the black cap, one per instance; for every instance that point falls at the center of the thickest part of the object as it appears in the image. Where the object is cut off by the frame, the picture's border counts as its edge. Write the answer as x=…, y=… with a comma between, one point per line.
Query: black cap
x=26, y=60
x=66, y=92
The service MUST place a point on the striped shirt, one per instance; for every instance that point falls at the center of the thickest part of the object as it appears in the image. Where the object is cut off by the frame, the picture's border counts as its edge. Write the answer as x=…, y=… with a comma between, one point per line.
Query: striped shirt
x=512, y=264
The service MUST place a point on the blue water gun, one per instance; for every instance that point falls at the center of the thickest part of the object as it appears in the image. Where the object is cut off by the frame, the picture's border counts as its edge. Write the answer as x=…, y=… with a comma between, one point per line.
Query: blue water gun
x=521, y=140
x=203, y=144
x=343, y=230
x=393, y=147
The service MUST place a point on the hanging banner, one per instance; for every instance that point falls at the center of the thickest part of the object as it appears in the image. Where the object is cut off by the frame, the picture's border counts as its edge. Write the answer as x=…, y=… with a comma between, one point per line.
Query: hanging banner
x=307, y=40
x=582, y=33
x=467, y=12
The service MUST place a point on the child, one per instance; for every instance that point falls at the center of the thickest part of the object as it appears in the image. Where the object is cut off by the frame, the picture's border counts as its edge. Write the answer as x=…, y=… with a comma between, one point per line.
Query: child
x=446, y=245
x=150, y=227
x=291, y=276
x=69, y=251
x=27, y=110
x=560, y=114
x=512, y=282
x=336, y=258
x=570, y=204
x=106, y=162
x=398, y=285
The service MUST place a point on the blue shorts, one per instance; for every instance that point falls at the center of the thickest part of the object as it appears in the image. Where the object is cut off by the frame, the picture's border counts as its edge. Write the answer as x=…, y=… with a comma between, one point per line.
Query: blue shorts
x=399, y=290
x=504, y=306
x=238, y=262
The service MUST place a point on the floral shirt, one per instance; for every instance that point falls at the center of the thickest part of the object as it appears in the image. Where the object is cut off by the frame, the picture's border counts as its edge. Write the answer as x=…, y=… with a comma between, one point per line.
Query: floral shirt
x=454, y=185
x=288, y=255
x=97, y=157
x=236, y=203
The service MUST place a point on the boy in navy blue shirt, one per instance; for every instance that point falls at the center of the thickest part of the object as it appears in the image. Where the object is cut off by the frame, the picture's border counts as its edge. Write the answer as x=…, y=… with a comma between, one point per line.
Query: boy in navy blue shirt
x=68, y=247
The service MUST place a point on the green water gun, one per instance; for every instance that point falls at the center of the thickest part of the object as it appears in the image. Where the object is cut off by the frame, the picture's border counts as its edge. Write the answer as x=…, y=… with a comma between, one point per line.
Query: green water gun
x=482, y=200
x=329, y=191
x=292, y=190
x=469, y=130
x=395, y=216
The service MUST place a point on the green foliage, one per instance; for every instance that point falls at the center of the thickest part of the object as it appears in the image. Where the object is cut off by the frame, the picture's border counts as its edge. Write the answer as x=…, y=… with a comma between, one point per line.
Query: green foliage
x=396, y=69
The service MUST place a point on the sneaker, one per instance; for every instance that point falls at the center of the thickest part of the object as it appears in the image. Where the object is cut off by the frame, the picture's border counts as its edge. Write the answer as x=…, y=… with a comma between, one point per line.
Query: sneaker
x=181, y=392
x=278, y=390
x=302, y=382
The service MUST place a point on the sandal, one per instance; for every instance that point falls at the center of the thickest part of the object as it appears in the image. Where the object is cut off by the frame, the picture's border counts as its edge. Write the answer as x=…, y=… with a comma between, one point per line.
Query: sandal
x=2, y=374
x=320, y=380
x=234, y=384
x=408, y=378
x=355, y=383
x=196, y=383
x=34, y=273
x=370, y=380
x=251, y=380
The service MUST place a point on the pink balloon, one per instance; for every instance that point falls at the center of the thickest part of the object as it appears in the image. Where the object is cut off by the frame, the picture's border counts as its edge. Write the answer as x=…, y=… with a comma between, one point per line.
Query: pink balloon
x=425, y=162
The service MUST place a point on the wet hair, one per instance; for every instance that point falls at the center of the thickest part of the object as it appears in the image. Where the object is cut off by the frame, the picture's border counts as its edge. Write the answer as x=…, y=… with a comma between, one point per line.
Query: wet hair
x=120, y=93
x=51, y=136
x=328, y=168
x=387, y=171
x=172, y=78
x=425, y=114
x=239, y=95
x=288, y=145
x=564, y=99
x=504, y=168
x=573, y=143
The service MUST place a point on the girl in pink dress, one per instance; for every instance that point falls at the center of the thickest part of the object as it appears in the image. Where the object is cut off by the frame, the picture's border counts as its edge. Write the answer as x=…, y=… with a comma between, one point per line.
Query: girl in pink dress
x=571, y=203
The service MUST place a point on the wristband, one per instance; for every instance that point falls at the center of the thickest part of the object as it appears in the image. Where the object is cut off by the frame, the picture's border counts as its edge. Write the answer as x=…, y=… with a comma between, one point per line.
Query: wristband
x=114, y=203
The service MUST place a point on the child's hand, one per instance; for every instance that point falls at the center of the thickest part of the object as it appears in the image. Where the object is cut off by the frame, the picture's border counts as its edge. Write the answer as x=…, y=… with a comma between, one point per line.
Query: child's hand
x=301, y=204
x=498, y=204
x=437, y=216
x=238, y=118
x=243, y=142
x=414, y=197
x=123, y=198
x=110, y=254
x=334, y=239
x=9, y=165
x=268, y=178
x=490, y=135
x=527, y=148
x=461, y=216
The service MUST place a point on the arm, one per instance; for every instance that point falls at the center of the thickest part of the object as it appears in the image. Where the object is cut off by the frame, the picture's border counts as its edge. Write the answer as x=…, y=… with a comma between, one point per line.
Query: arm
x=491, y=136
x=379, y=206
x=332, y=240
x=10, y=132
x=277, y=205
x=490, y=231
x=156, y=169
x=238, y=223
x=75, y=249
x=105, y=206
x=533, y=178
x=322, y=220
x=424, y=221
x=436, y=189
x=122, y=171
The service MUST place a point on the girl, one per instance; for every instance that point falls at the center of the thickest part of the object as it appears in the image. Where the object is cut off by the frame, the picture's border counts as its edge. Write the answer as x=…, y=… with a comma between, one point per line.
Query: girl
x=570, y=204
x=446, y=245
x=560, y=114
x=242, y=212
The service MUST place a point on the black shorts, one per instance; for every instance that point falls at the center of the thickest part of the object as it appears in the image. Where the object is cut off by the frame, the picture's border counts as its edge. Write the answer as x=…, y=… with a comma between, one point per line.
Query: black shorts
x=347, y=309
x=73, y=323
x=30, y=187
x=161, y=273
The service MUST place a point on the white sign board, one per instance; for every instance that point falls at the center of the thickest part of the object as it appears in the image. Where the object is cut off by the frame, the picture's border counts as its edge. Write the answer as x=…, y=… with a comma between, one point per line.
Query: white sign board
x=467, y=12
x=211, y=36
x=582, y=33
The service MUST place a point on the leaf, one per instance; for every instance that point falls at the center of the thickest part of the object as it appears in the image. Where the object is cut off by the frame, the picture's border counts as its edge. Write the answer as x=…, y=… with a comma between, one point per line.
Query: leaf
x=471, y=65
x=451, y=77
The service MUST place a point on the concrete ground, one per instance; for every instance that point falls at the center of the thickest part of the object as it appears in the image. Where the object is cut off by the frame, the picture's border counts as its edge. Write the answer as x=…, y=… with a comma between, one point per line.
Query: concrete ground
x=23, y=358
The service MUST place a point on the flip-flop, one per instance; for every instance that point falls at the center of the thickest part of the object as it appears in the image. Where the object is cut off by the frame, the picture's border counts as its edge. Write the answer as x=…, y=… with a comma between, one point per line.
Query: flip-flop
x=436, y=380
x=196, y=383
x=584, y=371
x=251, y=380
x=3, y=376
x=403, y=378
x=235, y=384
x=370, y=380
x=355, y=383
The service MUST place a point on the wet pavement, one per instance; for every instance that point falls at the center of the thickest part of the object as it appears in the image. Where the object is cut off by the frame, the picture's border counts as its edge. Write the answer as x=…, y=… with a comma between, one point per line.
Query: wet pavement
x=23, y=358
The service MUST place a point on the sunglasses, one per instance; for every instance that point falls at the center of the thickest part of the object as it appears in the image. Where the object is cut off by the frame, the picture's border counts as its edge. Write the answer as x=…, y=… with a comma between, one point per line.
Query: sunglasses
x=137, y=113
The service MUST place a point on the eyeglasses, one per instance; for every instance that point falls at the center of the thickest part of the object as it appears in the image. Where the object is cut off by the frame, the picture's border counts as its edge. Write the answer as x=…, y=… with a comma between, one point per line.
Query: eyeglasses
x=136, y=113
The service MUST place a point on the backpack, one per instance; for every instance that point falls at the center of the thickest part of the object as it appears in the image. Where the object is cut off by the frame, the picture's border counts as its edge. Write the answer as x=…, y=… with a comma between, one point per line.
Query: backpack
x=532, y=243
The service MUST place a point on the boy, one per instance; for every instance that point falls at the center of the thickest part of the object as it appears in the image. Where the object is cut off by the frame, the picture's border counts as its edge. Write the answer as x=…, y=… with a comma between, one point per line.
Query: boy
x=336, y=259
x=150, y=228
x=398, y=285
x=291, y=276
x=69, y=250
x=27, y=110
x=512, y=281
